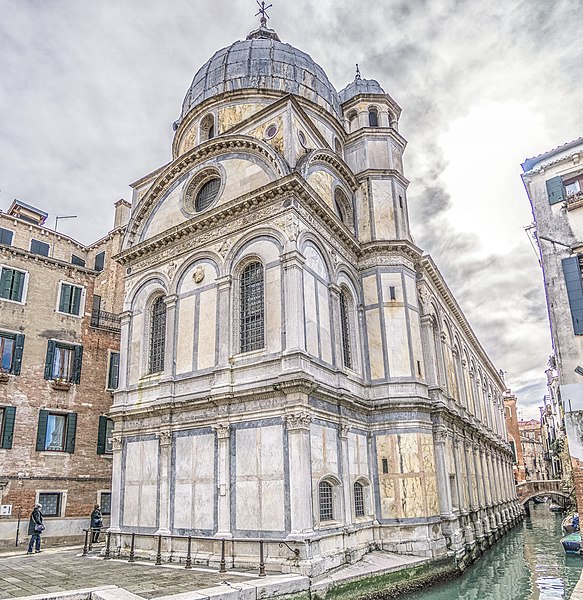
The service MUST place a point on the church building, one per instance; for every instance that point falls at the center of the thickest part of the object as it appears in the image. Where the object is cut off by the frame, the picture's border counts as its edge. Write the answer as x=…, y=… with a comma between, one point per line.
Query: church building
x=293, y=367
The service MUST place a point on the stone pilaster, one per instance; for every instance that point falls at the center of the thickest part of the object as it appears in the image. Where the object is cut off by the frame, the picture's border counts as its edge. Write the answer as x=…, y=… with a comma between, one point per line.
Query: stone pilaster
x=431, y=366
x=292, y=264
x=443, y=486
x=115, y=517
x=124, y=349
x=170, y=302
x=165, y=444
x=223, y=432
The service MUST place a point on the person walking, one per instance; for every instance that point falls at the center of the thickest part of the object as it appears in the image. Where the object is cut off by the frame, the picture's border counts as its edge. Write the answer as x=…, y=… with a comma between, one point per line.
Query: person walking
x=96, y=523
x=35, y=528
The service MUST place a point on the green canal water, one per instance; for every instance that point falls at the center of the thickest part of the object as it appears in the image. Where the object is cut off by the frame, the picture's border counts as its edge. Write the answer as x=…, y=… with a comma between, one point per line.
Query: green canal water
x=529, y=563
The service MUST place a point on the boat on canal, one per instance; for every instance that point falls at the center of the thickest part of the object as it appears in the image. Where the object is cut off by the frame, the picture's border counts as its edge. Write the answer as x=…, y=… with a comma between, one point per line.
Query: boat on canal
x=570, y=523
x=572, y=543
x=555, y=507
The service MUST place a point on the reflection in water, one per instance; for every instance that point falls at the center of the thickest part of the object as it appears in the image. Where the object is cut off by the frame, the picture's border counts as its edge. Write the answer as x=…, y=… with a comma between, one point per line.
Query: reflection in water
x=529, y=563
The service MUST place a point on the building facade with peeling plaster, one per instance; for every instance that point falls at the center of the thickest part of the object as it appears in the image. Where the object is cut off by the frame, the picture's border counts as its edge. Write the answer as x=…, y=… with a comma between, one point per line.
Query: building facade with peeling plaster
x=293, y=366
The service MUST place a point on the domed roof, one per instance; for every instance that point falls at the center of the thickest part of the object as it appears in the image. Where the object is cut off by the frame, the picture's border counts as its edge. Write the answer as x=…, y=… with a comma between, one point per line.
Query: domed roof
x=360, y=86
x=262, y=61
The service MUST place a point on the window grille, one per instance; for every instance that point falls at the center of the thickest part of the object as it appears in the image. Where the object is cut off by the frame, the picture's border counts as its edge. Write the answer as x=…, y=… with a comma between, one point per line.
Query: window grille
x=345, y=327
x=358, y=500
x=207, y=194
x=326, y=508
x=105, y=503
x=51, y=504
x=252, y=309
x=157, y=336
x=373, y=118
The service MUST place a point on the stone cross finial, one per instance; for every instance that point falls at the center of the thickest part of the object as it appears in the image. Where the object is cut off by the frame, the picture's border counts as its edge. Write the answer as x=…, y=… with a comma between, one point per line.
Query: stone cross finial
x=263, y=12
x=357, y=72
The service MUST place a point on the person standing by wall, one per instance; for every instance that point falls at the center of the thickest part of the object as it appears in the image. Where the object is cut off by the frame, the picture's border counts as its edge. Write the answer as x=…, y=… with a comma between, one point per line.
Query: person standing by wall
x=96, y=523
x=35, y=528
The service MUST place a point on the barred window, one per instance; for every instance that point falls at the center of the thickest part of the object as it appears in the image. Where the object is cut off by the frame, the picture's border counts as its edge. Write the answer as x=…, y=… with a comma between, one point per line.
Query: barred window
x=252, y=309
x=157, y=336
x=326, y=507
x=207, y=194
x=345, y=327
x=358, y=499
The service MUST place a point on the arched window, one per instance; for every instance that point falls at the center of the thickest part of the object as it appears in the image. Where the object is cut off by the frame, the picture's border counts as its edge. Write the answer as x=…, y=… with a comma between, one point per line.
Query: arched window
x=358, y=499
x=325, y=501
x=373, y=117
x=343, y=207
x=207, y=128
x=345, y=329
x=157, y=336
x=351, y=119
x=207, y=194
x=252, y=308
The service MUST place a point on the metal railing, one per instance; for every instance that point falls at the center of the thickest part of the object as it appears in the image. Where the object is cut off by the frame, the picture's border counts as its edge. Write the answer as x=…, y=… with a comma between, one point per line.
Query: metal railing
x=101, y=319
x=107, y=553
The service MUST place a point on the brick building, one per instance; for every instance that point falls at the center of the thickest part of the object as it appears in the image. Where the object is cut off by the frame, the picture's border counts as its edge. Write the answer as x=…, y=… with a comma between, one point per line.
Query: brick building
x=533, y=451
x=59, y=345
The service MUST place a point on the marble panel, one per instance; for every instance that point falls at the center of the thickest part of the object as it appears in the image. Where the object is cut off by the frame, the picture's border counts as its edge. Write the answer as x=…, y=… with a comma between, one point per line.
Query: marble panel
x=388, y=498
x=375, y=344
x=207, y=334
x=377, y=152
x=415, y=329
x=273, y=309
x=324, y=310
x=167, y=214
x=135, y=354
x=411, y=290
x=389, y=280
x=188, y=284
x=315, y=261
x=185, y=335
x=322, y=182
x=412, y=497
x=310, y=314
x=370, y=290
x=407, y=447
x=268, y=251
x=384, y=216
x=242, y=177
x=229, y=116
x=432, y=494
x=427, y=452
x=141, y=483
x=324, y=450
x=247, y=511
x=358, y=455
x=397, y=341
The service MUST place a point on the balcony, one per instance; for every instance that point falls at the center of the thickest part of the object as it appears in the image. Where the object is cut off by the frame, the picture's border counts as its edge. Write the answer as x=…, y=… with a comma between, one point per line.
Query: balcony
x=574, y=200
x=101, y=319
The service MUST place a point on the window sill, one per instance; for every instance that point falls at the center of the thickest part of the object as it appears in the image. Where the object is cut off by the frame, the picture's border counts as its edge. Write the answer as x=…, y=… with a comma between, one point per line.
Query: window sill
x=329, y=525
x=19, y=302
x=63, y=386
x=69, y=314
x=4, y=377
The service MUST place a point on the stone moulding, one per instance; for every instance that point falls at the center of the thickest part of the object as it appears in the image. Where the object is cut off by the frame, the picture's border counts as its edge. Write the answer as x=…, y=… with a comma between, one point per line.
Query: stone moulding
x=61, y=385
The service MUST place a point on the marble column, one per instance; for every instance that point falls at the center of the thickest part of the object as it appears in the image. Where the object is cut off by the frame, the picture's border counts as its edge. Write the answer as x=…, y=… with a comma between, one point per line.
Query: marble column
x=346, y=478
x=223, y=433
x=443, y=485
x=117, y=455
x=479, y=476
x=165, y=457
x=298, y=436
x=462, y=505
x=224, y=319
x=470, y=477
x=430, y=358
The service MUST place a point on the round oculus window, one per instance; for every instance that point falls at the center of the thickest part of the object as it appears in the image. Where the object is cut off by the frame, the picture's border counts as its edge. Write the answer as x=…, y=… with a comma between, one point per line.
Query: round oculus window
x=271, y=131
x=207, y=194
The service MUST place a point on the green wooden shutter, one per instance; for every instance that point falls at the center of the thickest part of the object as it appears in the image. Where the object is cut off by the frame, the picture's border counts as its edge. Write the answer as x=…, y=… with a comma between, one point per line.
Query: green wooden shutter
x=17, y=357
x=5, y=283
x=49, y=359
x=16, y=288
x=113, y=379
x=77, y=360
x=65, y=300
x=71, y=430
x=574, y=284
x=101, y=435
x=555, y=190
x=8, y=433
x=41, y=433
x=75, y=300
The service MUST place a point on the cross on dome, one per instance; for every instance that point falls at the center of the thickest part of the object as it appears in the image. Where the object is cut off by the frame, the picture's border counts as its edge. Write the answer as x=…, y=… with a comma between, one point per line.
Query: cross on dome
x=263, y=12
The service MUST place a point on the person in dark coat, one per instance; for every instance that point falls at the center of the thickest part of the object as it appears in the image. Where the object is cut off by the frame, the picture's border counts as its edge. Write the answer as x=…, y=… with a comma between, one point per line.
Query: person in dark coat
x=35, y=528
x=96, y=523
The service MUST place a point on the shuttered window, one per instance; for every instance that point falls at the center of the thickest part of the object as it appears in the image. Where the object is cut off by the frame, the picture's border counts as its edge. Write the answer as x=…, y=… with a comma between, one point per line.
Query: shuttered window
x=113, y=372
x=11, y=348
x=56, y=431
x=70, y=299
x=63, y=361
x=77, y=260
x=7, y=419
x=12, y=284
x=555, y=190
x=99, y=261
x=572, y=273
x=105, y=436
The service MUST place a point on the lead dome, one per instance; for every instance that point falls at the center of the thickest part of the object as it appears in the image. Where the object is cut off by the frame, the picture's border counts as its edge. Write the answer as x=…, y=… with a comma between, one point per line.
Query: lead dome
x=262, y=61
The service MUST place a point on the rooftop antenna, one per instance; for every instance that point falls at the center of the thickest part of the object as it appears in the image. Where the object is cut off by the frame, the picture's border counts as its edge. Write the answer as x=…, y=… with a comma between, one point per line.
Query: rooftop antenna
x=63, y=217
x=263, y=12
x=357, y=72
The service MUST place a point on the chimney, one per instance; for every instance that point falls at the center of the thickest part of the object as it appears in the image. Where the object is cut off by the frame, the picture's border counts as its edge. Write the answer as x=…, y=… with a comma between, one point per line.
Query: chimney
x=122, y=213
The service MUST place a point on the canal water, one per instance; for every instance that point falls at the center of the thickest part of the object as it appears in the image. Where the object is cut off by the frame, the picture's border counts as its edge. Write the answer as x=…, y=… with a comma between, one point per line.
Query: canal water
x=528, y=563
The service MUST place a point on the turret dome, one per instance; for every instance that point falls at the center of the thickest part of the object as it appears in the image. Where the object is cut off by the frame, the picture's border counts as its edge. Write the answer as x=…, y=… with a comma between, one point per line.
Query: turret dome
x=262, y=61
x=360, y=86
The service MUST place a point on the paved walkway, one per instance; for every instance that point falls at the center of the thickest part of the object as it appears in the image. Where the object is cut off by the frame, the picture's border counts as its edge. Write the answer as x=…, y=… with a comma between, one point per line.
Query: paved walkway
x=64, y=569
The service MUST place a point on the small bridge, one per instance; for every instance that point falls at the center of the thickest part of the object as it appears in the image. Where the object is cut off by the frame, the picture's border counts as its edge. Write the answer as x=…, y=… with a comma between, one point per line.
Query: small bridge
x=527, y=490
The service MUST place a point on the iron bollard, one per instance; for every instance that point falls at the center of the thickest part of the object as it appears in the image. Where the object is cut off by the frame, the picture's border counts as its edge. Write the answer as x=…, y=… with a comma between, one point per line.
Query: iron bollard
x=106, y=556
x=132, y=547
x=91, y=530
x=261, y=560
x=188, y=556
x=159, y=554
x=85, y=544
x=223, y=566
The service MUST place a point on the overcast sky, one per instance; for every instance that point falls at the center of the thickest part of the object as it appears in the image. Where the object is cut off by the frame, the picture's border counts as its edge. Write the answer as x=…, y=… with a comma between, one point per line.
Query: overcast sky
x=89, y=90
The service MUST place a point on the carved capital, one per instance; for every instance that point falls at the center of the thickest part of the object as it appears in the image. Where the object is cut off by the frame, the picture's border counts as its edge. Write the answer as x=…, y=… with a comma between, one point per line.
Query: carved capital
x=164, y=438
x=223, y=430
x=440, y=435
x=300, y=420
x=116, y=443
x=343, y=431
